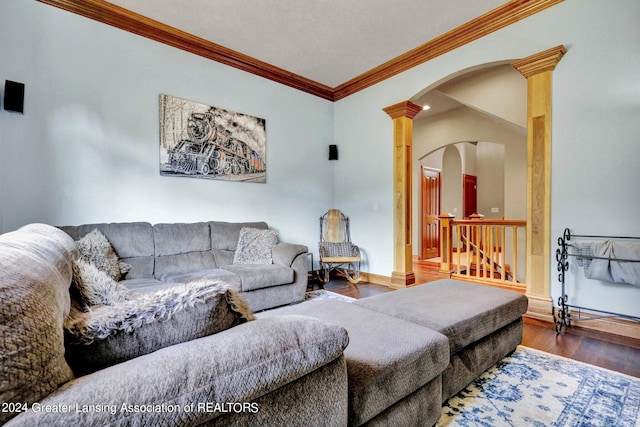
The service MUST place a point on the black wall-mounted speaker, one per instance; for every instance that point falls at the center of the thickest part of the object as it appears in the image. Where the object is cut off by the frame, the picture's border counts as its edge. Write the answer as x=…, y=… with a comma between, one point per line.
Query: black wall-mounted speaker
x=14, y=96
x=333, y=152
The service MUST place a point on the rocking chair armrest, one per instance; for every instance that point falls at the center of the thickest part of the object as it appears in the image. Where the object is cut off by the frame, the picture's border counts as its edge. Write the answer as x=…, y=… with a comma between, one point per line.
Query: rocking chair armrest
x=285, y=253
x=355, y=249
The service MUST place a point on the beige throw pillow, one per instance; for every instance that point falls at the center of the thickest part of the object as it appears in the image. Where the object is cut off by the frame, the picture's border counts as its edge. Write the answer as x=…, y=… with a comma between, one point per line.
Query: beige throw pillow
x=254, y=246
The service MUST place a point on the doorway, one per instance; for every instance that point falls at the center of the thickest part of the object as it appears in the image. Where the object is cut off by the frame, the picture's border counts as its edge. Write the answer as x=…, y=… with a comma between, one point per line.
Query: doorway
x=469, y=195
x=430, y=211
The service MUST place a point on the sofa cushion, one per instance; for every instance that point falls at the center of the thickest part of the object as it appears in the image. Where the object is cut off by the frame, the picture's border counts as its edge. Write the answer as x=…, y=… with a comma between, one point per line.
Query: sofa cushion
x=183, y=263
x=181, y=248
x=96, y=249
x=178, y=238
x=35, y=273
x=387, y=358
x=253, y=276
x=255, y=246
x=108, y=335
x=225, y=235
x=132, y=241
x=463, y=311
x=143, y=285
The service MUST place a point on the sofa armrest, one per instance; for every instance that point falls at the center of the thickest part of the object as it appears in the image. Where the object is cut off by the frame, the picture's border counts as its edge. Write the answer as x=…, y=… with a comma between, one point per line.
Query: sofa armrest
x=196, y=381
x=286, y=253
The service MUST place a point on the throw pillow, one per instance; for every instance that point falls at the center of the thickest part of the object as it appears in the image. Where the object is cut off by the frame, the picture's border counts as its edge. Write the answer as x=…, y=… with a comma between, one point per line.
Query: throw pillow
x=254, y=246
x=94, y=287
x=95, y=248
x=108, y=335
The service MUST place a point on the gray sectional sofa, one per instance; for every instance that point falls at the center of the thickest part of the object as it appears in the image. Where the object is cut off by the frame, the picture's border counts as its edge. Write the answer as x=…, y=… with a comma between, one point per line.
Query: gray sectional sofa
x=162, y=255
x=390, y=359
x=285, y=371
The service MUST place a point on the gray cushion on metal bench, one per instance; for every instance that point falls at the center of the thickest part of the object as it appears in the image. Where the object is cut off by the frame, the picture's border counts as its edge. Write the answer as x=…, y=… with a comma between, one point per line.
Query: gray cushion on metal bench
x=465, y=312
x=387, y=358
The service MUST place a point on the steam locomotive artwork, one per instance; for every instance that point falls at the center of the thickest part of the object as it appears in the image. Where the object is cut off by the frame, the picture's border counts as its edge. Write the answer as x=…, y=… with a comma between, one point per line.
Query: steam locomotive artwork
x=216, y=143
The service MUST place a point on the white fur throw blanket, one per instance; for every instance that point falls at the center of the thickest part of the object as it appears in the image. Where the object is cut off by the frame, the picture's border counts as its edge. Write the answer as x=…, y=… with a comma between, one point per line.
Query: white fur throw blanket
x=100, y=322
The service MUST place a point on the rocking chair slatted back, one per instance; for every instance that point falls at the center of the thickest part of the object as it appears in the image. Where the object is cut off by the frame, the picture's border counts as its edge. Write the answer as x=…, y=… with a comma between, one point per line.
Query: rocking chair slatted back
x=336, y=248
x=335, y=227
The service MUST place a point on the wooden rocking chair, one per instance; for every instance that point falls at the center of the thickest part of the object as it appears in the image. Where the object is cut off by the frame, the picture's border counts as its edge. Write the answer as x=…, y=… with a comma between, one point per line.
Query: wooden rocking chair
x=336, y=249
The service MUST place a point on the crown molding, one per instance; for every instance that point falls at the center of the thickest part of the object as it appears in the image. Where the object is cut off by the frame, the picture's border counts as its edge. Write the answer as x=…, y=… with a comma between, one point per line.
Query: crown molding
x=116, y=16
x=127, y=20
x=403, y=109
x=540, y=62
x=491, y=21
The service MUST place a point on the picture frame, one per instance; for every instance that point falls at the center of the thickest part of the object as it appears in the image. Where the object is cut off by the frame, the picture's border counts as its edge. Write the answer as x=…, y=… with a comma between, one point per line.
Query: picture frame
x=202, y=141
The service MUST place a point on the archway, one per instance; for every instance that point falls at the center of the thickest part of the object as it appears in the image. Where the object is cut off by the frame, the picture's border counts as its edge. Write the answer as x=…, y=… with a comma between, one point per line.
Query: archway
x=483, y=113
x=537, y=69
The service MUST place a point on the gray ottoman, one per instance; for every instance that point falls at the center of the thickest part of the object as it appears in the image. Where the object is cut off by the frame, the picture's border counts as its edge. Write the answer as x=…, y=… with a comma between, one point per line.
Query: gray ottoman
x=482, y=323
x=394, y=367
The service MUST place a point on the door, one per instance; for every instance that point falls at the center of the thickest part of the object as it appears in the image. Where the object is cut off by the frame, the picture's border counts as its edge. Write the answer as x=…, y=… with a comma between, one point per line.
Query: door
x=469, y=195
x=430, y=213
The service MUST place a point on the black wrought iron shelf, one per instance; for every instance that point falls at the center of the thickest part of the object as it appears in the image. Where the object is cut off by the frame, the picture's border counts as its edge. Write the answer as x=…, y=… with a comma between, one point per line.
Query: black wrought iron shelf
x=562, y=316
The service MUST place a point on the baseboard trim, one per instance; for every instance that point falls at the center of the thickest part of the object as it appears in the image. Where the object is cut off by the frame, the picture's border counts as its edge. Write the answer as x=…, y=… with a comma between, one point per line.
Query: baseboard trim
x=609, y=325
x=543, y=311
x=376, y=279
x=540, y=308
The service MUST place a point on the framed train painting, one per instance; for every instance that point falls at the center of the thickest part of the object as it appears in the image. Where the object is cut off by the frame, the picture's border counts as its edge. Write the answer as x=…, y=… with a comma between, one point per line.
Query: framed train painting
x=201, y=141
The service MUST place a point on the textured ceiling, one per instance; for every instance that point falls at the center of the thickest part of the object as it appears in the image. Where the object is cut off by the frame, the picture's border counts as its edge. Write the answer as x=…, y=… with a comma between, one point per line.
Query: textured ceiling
x=327, y=41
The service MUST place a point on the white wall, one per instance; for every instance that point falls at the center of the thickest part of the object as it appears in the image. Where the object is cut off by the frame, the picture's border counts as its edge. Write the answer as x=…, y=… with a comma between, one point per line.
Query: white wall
x=500, y=91
x=596, y=102
x=87, y=147
x=515, y=180
x=451, y=184
x=470, y=157
x=596, y=131
x=510, y=175
x=491, y=163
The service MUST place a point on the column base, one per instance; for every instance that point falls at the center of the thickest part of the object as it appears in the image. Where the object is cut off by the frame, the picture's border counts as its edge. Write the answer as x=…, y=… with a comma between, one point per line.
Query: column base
x=401, y=280
x=540, y=308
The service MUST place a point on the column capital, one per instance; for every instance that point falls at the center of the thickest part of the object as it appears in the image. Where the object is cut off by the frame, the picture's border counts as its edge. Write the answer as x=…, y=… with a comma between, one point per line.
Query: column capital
x=403, y=109
x=540, y=62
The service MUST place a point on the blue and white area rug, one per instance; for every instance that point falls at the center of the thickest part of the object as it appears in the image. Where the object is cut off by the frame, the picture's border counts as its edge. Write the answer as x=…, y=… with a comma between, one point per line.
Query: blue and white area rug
x=324, y=294
x=533, y=388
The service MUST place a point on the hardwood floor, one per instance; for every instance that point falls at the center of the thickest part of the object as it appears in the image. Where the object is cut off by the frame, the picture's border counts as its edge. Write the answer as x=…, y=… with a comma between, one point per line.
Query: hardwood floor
x=596, y=348
x=605, y=350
